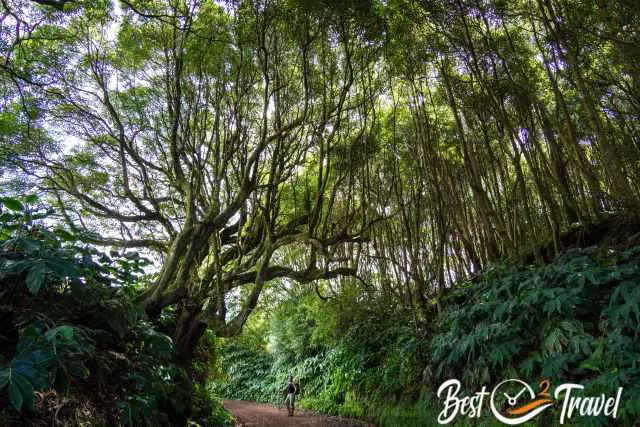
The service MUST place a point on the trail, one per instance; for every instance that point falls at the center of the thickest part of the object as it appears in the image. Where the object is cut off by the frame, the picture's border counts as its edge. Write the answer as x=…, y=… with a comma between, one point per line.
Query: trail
x=252, y=414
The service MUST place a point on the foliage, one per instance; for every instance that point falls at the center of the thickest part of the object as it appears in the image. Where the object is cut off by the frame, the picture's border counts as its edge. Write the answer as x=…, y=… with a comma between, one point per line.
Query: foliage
x=70, y=326
x=379, y=150
x=410, y=143
x=256, y=378
x=572, y=320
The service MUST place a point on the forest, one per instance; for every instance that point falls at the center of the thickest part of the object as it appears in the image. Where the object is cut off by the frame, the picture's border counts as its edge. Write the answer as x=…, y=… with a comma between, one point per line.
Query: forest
x=200, y=199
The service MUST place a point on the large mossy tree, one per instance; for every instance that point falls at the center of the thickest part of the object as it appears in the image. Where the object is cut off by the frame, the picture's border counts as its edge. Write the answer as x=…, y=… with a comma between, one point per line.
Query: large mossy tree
x=208, y=134
x=408, y=144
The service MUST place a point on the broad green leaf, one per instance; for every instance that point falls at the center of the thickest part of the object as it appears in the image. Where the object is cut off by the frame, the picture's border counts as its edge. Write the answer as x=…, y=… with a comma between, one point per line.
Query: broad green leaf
x=36, y=277
x=34, y=366
x=12, y=204
x=5, y=376
x=26, y=389
x=61, y=267
x=15, y=396
x=31, y=198
x=29, y=246
x=28, y=338
x=64, y=331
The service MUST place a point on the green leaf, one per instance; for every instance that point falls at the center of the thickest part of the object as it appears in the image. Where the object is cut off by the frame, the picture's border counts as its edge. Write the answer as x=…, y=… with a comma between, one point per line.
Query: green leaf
x=15, y=396
x=61, y=267
x=36, y=277
x=5, y=376
x=28, y=339
x=26, y=388
x=30, y=246
x=34, y=366
x=12, y=204
x=64, y=331
x=31, y=198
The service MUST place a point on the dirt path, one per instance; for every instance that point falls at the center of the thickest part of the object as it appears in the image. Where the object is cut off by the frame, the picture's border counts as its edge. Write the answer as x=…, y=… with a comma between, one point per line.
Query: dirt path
x=251, y=414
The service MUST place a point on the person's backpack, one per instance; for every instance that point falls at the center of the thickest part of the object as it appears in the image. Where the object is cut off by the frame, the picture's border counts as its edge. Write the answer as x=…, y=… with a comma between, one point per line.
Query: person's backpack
x=291, y=388
x=297, y=386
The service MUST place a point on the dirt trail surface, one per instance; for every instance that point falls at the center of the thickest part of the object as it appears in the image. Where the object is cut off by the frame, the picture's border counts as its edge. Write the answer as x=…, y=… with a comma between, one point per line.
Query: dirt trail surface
x=251, y=414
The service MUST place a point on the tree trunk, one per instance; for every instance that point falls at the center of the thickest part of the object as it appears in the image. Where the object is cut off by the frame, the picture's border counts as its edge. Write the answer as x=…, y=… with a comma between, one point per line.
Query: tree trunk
x=189, y=329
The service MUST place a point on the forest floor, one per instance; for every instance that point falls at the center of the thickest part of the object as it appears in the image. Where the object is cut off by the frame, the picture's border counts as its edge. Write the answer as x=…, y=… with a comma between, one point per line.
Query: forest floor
x=252, y=414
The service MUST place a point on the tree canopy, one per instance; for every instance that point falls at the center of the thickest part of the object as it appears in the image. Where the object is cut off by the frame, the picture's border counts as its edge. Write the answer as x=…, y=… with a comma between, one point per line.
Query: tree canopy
x=400, y=145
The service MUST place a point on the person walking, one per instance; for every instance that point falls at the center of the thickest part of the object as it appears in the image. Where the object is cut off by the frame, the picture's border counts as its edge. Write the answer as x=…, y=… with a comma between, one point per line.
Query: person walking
x=291, y=390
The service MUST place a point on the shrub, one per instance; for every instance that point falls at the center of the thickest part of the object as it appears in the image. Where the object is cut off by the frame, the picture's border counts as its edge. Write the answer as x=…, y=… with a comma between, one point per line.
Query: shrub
x=575, y=319
x=74, y=348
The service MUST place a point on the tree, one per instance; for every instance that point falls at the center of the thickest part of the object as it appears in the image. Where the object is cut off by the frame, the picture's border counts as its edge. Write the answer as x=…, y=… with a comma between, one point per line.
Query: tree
x=247, y=141
x=210, y=136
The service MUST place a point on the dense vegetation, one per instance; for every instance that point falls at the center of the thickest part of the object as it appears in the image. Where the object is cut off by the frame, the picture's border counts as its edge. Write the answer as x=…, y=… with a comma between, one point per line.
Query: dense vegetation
x=574, y=320
x=75, y=348
x=381, y=193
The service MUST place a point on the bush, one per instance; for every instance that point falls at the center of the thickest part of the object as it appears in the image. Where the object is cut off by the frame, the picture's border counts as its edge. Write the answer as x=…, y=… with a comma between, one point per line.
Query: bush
x=74, y=348
x=575, y=319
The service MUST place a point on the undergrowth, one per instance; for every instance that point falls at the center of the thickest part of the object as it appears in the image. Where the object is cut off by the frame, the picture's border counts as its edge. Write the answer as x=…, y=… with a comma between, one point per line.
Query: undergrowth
x=576, y=319
x=74, y=347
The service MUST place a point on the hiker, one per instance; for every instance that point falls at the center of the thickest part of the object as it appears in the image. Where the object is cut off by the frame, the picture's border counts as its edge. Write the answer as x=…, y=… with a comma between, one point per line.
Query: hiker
x=291, y=389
